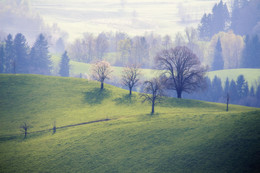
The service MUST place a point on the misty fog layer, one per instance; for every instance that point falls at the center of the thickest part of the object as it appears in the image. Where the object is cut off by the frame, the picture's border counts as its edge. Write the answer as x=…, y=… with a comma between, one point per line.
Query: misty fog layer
x=78, y=16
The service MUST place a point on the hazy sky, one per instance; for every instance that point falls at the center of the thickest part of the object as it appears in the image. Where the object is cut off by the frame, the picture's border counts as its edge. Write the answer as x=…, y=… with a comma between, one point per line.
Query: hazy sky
x=134, y=17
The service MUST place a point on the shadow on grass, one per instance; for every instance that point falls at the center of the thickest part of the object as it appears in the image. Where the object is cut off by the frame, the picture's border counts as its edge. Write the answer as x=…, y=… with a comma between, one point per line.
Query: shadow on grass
x=96, y=96
x=7, y=138
x=175, y=102
x=125, y=100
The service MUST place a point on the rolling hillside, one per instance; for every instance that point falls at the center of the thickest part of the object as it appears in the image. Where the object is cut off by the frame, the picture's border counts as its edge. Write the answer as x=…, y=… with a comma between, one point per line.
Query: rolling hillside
x=183, y=135
x=251, y=75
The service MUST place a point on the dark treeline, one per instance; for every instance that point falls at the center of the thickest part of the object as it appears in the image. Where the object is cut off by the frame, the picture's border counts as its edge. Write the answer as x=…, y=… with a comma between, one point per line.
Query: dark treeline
x=17, y=57
x=238, y=91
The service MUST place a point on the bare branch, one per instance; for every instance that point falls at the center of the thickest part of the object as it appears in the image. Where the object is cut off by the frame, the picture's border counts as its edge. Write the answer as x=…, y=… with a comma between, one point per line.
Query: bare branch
x=153, y=91
x=183, y=69
x=101, y=71
x=130, y=76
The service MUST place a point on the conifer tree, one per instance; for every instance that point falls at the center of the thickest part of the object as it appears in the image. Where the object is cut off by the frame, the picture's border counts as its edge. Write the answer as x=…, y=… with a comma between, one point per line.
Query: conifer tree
x=252, y=91
x=21, y=54
x=2, y=56
x=220, y=17
x=251, y=53
x=258, y=93
x=226, y=89
x=218, y=62
x=64, y=65
x=214, y=22
x=40, y=59
x=242, y=86
x=216, y=89
x=233, y=92
x=9, y=55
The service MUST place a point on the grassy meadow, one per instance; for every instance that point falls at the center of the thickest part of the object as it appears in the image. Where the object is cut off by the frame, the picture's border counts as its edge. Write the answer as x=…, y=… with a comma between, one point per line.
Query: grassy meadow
x=182, y=136
x=252, y=76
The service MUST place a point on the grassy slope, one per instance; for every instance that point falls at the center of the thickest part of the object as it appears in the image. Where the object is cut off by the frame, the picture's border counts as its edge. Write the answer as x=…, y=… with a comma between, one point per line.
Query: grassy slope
x=251, y=75
x=183, y=135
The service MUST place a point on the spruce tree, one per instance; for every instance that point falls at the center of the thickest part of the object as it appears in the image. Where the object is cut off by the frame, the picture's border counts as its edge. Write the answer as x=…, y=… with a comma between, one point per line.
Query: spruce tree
x=226, y=89
x=207, y=95
x=214, y=22
x=64, y=65
x=40, y=59
x=216, y=89
x=241, y=86
x=251, y=53
x=2, y=56
x=205, y=27
x=257, y=94
x=218, y=62
x=21, y=54
x=233, y=92
x=220, y=17
x=9, y=55
x=252, y=91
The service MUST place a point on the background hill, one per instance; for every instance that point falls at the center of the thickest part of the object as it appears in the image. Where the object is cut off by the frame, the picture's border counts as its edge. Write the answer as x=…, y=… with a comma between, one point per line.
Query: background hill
x=184, y=135
x=252, y=75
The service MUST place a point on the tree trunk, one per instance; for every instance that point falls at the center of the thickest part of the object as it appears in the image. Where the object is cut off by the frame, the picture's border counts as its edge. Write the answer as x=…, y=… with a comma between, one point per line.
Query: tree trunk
x=102, y=85
x=179, y=94
x=25, y=134
x=130, y=91
x=152, y=107
x=227, y=102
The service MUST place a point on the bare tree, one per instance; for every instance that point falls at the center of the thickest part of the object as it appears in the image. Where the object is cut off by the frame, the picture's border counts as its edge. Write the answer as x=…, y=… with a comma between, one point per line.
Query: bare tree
x=153, y=92
x=101, y=71
x=130, y=76
x=24, y=129
x=182, y=68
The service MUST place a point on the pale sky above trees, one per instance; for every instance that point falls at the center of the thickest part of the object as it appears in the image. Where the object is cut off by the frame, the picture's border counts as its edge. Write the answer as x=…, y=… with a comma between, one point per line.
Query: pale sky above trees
x=135, y=17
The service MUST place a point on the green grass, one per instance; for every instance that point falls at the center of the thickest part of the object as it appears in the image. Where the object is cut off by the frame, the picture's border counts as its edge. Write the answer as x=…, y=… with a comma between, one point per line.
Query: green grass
x=251, y=75
x=183, y=135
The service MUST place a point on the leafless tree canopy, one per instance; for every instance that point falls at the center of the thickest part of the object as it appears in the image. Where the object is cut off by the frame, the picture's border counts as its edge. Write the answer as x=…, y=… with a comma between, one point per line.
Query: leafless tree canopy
x=130, y=77
x=153, y=91
x=182, y=68
x=101, y=71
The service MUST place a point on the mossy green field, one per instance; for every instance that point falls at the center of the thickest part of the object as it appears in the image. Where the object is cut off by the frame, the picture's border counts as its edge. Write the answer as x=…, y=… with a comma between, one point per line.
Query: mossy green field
x=183, y=135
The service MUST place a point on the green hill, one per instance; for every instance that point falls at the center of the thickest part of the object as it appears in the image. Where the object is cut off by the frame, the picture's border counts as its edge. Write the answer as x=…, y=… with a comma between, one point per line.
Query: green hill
x=251, y=75
x=183, y=135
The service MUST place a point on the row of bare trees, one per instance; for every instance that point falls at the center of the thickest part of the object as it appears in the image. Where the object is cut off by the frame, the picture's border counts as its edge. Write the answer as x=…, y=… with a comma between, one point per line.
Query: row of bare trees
x=180, y=70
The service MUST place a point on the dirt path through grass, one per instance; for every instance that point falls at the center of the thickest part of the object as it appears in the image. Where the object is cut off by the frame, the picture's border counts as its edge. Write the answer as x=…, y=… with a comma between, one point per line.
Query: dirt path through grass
x=10, y=137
